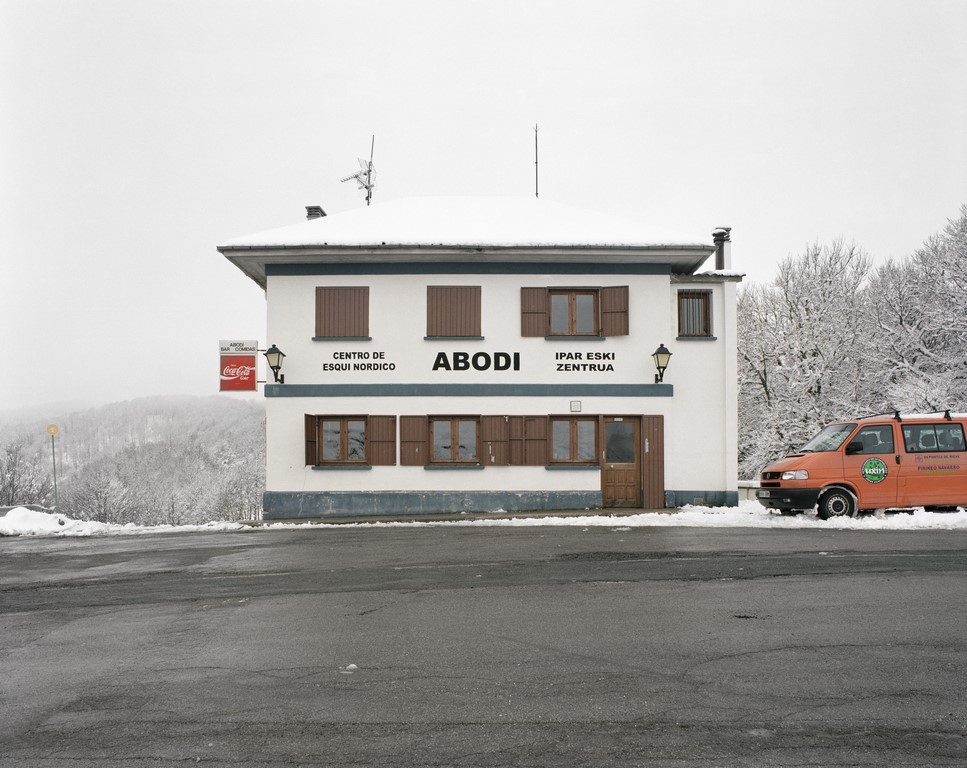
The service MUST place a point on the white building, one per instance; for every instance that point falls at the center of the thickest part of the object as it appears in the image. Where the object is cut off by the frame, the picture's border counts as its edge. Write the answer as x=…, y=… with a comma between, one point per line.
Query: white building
x=478, y=354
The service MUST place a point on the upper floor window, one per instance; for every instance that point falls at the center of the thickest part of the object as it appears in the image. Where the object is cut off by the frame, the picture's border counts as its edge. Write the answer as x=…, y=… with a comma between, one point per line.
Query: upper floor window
x=574, y=312
x=695, y=313
x=453, y=311
x=342, y=312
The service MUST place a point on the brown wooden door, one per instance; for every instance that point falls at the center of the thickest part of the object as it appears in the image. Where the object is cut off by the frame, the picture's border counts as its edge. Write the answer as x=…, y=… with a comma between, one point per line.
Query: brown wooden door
x=621, y=461
x=653, y=462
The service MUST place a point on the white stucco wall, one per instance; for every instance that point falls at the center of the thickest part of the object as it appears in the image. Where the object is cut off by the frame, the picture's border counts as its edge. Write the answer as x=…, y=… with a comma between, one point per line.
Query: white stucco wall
x=700, y=441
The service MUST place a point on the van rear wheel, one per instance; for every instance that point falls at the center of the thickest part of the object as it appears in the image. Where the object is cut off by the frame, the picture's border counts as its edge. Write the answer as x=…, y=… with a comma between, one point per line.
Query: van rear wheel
x=836, y=503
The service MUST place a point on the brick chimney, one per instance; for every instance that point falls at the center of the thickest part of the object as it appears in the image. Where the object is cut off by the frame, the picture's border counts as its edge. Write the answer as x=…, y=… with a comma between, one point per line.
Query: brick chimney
x=723, y=248
x=314, y=212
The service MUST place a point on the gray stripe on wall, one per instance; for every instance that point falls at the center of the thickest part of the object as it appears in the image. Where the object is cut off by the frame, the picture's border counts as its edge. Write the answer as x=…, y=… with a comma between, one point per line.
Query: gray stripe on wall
x=290, y=505
x=469, y=390
x=702, y=498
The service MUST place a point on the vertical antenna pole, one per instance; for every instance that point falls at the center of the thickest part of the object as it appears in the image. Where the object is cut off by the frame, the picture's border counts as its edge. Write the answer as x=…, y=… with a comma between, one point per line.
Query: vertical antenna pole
x=536, y=172
x=369, y=171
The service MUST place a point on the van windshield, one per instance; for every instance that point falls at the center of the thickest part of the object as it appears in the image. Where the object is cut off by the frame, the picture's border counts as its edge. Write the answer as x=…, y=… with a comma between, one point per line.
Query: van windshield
x=830, y=439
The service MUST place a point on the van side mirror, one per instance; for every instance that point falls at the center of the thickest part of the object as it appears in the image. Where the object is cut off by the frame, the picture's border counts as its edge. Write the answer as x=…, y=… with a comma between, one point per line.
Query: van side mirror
x=854, y=447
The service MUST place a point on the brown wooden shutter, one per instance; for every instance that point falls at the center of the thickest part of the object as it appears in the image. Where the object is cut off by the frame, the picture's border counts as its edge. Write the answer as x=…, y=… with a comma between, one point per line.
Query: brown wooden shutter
x=413, y=441
x=614, y=310
x=535, y=441
x=653, y=461
x=453, y=310
x=495, y=449
x=533, y=311
x=342, y=311
x=381, y=440
x=312, y=440
x=527, y=440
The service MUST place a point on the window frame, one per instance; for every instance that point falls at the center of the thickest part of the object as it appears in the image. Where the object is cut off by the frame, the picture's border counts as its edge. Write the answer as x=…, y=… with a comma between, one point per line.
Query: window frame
x=921, y=429
x=573, y=440
x=344, y=432
x=704, y=313
x=572, y=311
x=454, y=422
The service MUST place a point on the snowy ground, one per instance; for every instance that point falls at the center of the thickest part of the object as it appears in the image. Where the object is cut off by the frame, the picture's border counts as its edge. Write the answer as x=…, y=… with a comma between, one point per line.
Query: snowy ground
x=749, y=514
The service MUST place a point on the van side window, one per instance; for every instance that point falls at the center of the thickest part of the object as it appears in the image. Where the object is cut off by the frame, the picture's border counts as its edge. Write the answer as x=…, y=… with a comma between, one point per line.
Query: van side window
x=950, y=437
x=878, y=439
x=926, y=438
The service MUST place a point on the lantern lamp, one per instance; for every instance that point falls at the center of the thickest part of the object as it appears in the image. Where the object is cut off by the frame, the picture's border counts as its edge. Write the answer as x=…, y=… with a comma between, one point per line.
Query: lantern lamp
x=661, y=357
x=274, y=356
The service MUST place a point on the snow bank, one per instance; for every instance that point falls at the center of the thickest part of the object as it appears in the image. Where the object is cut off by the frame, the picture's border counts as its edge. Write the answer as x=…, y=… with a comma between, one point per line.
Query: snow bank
x=749, y=514
x=26, y=522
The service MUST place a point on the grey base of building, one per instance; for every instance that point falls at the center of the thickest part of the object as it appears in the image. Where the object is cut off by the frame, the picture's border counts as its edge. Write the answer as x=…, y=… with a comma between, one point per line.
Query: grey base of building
x=295, y=505
x=702, y=498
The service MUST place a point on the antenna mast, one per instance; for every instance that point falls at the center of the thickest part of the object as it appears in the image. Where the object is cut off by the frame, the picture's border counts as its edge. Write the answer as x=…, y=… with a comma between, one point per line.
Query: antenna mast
x=536, y=176
x=364, y=177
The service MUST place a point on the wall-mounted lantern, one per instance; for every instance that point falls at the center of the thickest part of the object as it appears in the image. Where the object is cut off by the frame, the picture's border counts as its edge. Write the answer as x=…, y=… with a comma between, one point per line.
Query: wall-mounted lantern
x=274, y=355
x=661, y=358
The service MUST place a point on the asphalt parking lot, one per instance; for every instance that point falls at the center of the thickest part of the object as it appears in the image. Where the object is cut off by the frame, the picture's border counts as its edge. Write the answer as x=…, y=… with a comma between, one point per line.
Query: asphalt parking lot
x=505, y=646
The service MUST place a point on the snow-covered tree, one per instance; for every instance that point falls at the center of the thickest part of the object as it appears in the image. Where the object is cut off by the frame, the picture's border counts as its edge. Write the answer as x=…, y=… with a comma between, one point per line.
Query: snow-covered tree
x=25, y=478
x=801, y=350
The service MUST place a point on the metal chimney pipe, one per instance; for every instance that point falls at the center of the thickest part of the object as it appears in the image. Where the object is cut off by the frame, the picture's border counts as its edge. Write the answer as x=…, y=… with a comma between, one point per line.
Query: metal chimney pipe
x=723, y=248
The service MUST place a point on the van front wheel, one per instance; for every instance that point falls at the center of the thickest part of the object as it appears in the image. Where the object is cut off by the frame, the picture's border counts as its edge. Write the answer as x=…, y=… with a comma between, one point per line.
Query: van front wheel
x=836, y=503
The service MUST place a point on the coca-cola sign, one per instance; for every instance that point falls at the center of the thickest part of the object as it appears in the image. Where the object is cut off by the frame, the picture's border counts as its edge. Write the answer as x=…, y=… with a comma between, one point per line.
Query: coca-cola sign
x=238, y=370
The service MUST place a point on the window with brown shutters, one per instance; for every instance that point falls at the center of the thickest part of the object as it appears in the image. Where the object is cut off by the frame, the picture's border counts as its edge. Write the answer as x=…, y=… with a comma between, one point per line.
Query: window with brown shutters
x=574, y=312
x=695, y=313
x=453, y=311
x=350, y=440
x=342, y=312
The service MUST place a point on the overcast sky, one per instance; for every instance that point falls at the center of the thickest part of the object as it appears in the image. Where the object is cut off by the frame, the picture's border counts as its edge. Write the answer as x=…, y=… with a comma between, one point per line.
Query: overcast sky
x=137, y=136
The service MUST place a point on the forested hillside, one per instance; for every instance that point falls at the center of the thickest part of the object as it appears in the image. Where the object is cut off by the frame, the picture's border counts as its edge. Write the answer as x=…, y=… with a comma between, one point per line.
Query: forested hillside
x=833, y=337
x=153, y=460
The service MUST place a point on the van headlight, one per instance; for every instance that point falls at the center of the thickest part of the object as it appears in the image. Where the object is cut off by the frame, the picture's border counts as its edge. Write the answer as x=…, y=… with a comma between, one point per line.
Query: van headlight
x=795, y=474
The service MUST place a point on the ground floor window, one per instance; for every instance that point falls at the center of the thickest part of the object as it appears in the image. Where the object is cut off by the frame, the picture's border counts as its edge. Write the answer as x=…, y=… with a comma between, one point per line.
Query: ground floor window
x=350, y=440
x=574, y=440
x=343, y=440
x=454, y=439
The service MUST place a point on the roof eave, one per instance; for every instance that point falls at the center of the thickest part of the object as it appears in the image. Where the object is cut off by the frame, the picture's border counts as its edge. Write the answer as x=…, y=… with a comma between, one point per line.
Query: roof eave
x=250, y=259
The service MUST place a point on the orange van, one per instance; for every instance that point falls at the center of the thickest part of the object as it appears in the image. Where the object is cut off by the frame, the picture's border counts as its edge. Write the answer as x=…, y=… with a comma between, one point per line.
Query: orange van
x=879, y=462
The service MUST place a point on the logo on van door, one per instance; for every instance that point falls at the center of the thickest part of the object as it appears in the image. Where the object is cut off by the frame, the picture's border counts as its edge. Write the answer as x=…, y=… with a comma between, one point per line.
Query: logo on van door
x=874, y=471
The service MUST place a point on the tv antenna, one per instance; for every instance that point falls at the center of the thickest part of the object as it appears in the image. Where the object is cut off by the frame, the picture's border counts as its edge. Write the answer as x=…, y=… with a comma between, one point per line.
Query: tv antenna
x=364, y=176
x=536, y=177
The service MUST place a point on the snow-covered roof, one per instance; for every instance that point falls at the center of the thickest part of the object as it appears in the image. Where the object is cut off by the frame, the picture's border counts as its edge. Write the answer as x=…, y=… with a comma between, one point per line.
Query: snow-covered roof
x=469, y=222
x=496, y=228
